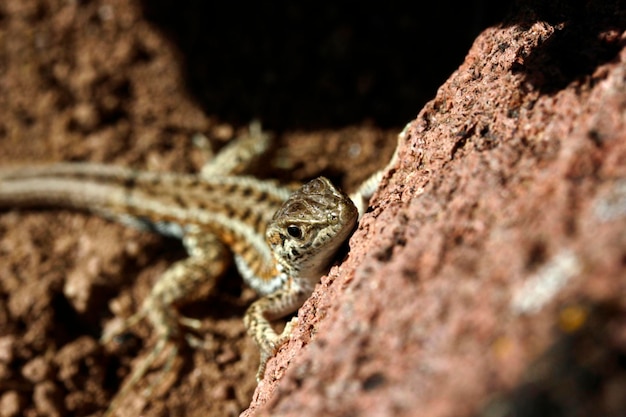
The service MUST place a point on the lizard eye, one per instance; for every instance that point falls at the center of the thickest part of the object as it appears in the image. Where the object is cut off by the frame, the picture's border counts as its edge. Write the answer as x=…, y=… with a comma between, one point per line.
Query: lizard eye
x=294, y=231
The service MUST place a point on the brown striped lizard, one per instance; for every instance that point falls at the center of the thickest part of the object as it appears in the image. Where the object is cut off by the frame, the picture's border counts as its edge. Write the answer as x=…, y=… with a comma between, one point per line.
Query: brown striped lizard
x=282, y=238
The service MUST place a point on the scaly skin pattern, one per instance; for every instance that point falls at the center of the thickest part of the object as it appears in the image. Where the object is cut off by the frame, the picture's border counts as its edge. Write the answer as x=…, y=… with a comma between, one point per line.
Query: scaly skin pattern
x=283, y=238
x=304, y=236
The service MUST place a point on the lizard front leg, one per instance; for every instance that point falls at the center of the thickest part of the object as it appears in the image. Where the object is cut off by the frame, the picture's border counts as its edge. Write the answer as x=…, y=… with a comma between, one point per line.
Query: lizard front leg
x=273, y=306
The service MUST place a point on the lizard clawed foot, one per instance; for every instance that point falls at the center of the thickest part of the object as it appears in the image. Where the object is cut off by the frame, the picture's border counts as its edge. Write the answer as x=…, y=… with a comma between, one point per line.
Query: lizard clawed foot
x=140, y=371
x=142, y=368
x=192, y=340
x=272, y=346
x=115, y=331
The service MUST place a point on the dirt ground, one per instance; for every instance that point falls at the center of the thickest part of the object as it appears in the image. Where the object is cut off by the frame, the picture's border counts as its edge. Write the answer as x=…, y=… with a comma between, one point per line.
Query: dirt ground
x=97, y=81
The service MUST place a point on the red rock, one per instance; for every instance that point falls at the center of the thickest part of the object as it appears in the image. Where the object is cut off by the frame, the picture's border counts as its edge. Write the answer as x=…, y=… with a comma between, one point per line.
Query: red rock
x=494, y=254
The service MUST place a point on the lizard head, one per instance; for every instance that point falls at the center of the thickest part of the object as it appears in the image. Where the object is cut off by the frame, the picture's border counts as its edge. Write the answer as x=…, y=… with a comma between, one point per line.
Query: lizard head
x=308, y=229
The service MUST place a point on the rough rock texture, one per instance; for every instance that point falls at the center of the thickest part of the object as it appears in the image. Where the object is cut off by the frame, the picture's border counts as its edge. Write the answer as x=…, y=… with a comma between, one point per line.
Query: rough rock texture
x=489, y=276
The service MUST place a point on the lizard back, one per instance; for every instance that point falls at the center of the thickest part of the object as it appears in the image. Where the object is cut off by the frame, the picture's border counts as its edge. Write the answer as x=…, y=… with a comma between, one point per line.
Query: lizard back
x=234, y=208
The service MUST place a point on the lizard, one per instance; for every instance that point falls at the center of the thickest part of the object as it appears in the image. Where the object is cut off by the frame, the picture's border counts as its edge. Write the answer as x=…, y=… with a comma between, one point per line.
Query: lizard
x=283, y=238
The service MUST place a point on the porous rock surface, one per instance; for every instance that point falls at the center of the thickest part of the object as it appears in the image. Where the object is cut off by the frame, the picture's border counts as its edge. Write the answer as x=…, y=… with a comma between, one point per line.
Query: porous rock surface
x=488, y=277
